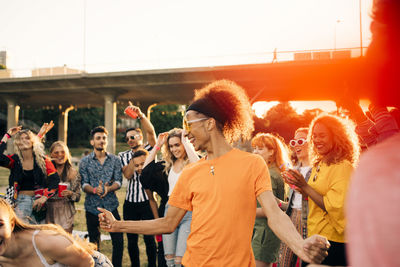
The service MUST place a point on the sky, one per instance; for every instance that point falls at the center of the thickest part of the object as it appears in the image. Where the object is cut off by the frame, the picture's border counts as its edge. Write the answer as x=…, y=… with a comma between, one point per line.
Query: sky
x=123, y=35
x=104, y=36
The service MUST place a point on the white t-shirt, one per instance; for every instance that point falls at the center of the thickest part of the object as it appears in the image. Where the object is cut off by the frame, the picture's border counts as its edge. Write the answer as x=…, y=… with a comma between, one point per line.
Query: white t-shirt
x=296, y=203
x=172, y=179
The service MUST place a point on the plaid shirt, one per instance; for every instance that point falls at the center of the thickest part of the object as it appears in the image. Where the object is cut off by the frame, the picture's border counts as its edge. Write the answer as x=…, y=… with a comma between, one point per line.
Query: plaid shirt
x=92, y=172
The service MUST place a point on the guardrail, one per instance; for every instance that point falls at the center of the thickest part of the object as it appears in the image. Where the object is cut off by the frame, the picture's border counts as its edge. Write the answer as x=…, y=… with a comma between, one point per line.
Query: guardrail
x=168, y=63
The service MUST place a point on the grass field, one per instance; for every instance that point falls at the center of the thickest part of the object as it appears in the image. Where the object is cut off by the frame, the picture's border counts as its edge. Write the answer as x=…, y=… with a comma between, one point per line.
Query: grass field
x=80, y=220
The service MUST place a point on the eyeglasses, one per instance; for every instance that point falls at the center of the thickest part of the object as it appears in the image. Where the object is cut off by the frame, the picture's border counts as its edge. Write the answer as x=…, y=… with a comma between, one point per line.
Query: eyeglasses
x=132, y=137
x=298, y=142
x=187, y=125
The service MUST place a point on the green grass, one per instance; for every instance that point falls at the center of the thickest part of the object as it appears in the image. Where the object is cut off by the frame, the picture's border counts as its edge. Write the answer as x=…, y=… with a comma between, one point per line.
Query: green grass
x=106, y=246
x=80, y=219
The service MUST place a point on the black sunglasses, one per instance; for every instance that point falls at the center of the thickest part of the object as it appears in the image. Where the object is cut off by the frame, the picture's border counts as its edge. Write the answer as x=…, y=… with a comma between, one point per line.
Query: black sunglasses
x=132, y=137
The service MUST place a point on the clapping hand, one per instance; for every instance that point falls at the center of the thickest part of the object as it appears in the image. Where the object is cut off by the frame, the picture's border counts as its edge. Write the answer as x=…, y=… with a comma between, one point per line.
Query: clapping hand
x=99, y=189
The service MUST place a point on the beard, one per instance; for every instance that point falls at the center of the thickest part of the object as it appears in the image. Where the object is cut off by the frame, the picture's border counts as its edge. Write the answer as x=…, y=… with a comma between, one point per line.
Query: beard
x=135, y=147
x=100, y=149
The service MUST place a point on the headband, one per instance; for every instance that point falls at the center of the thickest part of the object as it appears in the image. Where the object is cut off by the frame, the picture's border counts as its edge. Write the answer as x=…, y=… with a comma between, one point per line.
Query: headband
x=209, y=108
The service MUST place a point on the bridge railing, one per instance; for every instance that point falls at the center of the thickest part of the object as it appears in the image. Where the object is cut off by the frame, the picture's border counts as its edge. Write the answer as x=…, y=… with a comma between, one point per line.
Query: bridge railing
x=185, y=62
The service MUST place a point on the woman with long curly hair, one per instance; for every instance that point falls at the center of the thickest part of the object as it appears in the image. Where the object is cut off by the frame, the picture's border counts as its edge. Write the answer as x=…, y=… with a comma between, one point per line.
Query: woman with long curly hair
x=265, y=243
x=334, y=152
x=61, y=208
x=177, y=152
x=23, y=244
x=33, y=178
x=222, y=188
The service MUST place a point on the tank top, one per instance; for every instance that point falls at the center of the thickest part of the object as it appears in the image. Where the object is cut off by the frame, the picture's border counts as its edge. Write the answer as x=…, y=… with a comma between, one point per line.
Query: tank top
x=27, y=181
x=41, y=257
x=172, y=179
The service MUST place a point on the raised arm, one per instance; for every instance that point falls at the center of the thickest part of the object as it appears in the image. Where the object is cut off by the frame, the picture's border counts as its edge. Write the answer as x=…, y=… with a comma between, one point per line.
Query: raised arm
x=46, y=127
x=164, y=225
x=146, y=124
x=162, y=137
x=191, y=153
x=6, y=161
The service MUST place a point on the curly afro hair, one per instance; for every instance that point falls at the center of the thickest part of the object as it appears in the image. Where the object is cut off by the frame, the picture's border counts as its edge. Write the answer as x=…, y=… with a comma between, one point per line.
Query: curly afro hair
x=234, y=106
x=345, y=140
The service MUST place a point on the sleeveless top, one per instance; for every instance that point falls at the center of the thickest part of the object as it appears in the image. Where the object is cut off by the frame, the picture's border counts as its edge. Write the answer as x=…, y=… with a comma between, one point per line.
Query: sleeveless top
x=41, y=257
x=172, y=179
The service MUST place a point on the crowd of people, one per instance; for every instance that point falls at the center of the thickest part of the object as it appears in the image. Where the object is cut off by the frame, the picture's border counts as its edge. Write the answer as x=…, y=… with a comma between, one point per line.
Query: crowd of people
x=204, y=198
x=289, y=203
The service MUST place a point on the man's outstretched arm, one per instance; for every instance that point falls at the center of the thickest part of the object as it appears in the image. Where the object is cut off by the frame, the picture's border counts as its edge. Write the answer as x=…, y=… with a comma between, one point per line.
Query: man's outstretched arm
x=164, y=225
x=313, y=249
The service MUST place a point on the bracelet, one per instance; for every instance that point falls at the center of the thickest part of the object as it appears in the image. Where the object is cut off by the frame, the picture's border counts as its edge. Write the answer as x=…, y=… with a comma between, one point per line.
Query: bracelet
x=94, y=191
x=8, y=135
x=157, y=147
x=280, y=204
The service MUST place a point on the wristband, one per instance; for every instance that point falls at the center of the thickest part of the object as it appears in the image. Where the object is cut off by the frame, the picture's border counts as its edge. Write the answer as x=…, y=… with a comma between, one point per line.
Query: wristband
x=94, y=191
x=280, y=204
x=8, y=135
x=157, y=147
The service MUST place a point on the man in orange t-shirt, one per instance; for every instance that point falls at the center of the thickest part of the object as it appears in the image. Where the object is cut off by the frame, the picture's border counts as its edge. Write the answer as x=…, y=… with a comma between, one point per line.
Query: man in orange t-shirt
x=221, y=190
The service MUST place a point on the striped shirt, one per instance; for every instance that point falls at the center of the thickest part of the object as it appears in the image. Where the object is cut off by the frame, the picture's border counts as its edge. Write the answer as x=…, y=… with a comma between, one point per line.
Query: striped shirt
x=134, y=192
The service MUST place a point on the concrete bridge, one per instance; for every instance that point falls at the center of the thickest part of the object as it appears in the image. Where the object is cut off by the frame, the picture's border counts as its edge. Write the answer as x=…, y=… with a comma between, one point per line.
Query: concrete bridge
x=295, y=80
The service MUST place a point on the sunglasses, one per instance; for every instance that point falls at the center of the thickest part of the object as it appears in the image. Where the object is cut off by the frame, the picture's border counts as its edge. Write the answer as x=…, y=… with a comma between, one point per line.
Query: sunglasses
x=298, y=142
x=187, y=125
x=132, y=137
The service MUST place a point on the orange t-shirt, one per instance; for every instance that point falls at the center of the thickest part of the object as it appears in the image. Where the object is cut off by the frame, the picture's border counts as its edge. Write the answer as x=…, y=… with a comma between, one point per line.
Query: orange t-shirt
x=223, y=206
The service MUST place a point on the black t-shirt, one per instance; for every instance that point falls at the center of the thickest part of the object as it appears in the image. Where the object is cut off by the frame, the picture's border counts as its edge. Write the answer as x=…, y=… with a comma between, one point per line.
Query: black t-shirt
x=155, y=179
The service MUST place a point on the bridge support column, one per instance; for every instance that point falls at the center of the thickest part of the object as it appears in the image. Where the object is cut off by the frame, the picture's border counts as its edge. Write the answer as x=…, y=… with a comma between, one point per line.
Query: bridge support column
x=63, y=124
x=12, y=120
x=110, y=121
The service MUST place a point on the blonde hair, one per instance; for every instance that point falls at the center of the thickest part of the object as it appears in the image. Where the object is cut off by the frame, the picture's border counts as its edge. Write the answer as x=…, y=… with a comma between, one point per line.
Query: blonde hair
x=67, y=164
x=167, y=155
x=20, y=226
x=345, y=142
x=37, y=148
x=281, y=156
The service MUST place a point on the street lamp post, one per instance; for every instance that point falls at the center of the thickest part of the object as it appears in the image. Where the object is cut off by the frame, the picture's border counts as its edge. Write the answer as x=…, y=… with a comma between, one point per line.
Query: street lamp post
x=336, y=22
x=361, y=45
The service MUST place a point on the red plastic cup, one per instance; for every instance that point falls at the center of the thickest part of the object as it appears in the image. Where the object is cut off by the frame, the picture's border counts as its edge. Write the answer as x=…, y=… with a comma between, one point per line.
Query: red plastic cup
x=61, y=187
x=128, y=111
x=38, y=193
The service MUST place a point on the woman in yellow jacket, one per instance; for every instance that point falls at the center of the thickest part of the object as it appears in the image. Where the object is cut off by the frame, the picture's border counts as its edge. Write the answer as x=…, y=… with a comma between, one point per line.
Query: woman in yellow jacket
x=334, y=152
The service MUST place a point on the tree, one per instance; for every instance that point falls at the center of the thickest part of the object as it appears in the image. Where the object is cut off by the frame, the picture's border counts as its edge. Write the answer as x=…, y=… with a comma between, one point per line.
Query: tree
x=166, y=117
x=284, y=120
x=81, y=121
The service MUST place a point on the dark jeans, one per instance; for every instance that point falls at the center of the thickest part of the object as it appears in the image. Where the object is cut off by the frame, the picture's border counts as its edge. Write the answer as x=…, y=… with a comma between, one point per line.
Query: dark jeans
x=135, y=212
x=92, y=222
x=336, y=255
x=160, y=255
